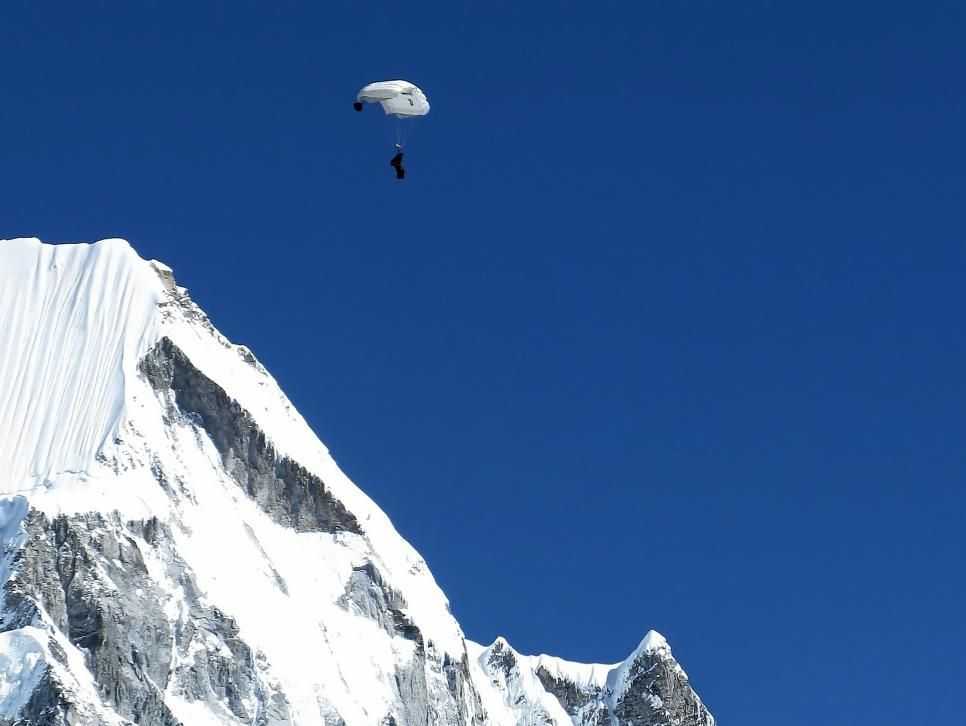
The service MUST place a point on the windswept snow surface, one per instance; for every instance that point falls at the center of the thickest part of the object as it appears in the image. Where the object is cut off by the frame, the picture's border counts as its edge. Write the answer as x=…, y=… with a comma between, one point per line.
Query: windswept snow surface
x=580, y=674
x=74, y=321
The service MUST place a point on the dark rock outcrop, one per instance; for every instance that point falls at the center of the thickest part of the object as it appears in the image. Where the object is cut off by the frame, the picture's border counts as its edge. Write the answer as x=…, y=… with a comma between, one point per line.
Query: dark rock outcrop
x=572, y=697
x=658, y=694
x=284, y=489
x=88, y=574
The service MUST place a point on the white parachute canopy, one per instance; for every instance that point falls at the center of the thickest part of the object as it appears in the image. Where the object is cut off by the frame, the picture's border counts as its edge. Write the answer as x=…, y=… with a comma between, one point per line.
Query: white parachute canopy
x=398, y=98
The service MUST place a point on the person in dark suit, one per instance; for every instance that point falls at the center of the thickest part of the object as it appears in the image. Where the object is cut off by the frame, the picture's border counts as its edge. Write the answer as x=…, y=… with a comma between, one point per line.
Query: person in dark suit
x=397, y=163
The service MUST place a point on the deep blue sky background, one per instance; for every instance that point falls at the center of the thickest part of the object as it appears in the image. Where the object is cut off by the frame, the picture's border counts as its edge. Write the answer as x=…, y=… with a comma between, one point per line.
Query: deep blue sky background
x=664, y=330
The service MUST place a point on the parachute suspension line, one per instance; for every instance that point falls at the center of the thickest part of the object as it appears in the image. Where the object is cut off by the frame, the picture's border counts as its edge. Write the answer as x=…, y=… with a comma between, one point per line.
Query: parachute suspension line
x=393, y=133
x=404, y=130
x=409, y=129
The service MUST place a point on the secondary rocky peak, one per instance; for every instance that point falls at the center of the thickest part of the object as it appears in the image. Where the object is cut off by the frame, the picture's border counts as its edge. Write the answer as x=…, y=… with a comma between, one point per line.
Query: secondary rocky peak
x=500, y=643
x=650, y=688
x=502, y=657
x=652, y=642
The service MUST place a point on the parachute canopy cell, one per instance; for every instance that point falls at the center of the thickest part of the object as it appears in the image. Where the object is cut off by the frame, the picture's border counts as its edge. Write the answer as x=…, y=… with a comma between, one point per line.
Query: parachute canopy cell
x=398, y=98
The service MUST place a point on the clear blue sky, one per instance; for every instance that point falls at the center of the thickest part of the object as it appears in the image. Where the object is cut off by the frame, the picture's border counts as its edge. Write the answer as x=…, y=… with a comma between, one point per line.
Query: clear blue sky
x=664, y=329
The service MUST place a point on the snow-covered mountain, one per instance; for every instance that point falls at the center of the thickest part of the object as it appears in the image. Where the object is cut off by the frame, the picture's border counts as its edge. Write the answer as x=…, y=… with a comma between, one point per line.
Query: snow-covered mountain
x=178, y=547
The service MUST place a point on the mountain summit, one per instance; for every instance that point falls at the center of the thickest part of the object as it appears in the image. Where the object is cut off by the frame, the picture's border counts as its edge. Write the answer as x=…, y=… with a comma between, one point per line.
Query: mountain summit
x=178, y=547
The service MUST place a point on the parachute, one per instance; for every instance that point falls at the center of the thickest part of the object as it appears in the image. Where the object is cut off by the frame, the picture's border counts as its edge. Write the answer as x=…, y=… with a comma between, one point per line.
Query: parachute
x=401, y=99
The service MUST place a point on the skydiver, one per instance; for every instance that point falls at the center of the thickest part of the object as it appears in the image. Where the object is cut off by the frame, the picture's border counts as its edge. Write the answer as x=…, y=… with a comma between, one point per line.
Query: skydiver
x=397, y=163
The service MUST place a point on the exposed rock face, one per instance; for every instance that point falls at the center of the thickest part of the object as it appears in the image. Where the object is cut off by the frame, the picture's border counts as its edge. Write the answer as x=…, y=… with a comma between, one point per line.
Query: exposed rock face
x=88, y=575
x=433, y=690
x=368, y=594
x=67, y=571
x=658, y=694
x=574, y=698
x=48, y=706
x=284, y=489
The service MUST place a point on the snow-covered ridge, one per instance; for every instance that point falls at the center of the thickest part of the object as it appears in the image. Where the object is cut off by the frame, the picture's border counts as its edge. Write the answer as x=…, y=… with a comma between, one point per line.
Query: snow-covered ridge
x=582, y=674
x=544, y=689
